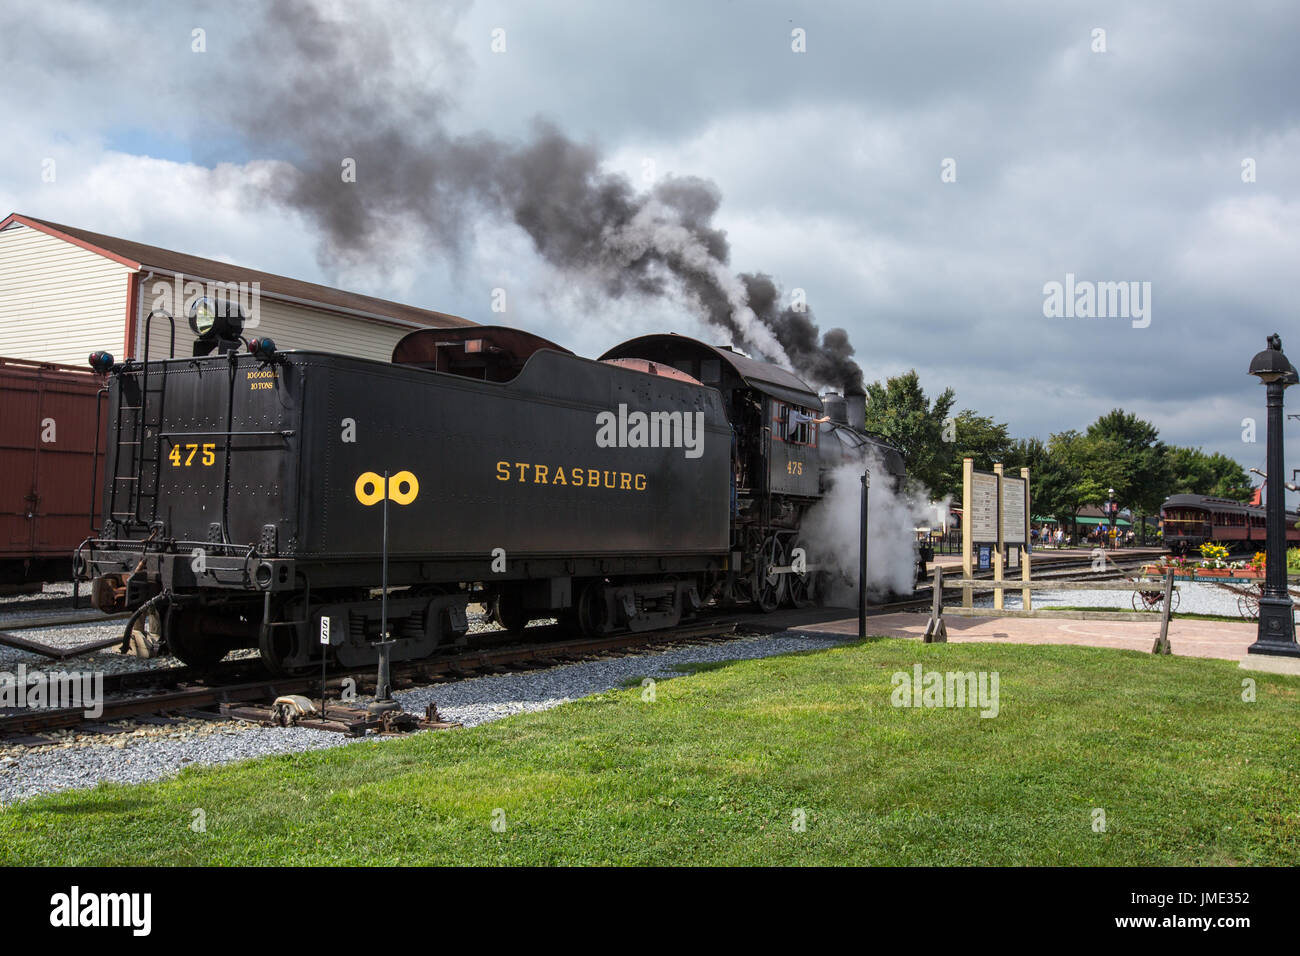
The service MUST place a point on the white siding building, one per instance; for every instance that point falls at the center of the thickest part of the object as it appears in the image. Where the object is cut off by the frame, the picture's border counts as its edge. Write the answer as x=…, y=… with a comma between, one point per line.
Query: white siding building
x=66, y=292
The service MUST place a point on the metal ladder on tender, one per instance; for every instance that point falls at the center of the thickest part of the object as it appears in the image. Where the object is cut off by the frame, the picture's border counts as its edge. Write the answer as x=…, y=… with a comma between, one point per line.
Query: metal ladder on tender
x=145, y=448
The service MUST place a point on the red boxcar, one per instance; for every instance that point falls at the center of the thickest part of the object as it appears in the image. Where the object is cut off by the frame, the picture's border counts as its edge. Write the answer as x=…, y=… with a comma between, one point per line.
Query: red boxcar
x=51, y=466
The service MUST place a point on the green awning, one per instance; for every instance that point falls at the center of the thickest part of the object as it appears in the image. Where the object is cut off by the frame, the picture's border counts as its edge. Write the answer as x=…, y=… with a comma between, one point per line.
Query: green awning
x=1119, y=522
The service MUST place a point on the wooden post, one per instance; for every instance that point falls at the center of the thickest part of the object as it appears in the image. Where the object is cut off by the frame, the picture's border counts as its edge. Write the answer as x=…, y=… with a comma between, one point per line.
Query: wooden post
x=1025, y=595
x=1162, y=642
x=967, y=572
x=936, y=632
x=999, y=551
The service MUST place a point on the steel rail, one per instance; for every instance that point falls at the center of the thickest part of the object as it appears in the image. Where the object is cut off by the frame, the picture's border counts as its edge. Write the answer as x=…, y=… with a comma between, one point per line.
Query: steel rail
x=33, y=721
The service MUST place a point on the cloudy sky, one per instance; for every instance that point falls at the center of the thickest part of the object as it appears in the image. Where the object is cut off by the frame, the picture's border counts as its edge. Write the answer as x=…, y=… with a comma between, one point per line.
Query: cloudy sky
x=1161, y=151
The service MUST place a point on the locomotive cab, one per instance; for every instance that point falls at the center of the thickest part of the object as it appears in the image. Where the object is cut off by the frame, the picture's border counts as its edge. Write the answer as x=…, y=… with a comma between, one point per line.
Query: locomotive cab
x=785, y=445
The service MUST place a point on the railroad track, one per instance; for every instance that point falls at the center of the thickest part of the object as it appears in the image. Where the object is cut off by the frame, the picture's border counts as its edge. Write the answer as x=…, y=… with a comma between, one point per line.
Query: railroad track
x=158, y=692
x=162, y=693
x=60, y=619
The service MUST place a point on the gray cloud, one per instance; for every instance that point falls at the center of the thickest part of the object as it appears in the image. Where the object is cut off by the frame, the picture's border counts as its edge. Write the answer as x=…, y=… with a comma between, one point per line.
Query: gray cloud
x=1123, y=165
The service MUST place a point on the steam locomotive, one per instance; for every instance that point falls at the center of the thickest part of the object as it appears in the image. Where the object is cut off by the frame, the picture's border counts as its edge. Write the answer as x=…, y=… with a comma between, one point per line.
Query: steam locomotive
x=251, y=495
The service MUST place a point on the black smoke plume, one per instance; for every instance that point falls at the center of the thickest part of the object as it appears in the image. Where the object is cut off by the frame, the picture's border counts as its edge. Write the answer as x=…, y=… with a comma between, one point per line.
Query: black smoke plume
x=826, y=361
x=338, y=88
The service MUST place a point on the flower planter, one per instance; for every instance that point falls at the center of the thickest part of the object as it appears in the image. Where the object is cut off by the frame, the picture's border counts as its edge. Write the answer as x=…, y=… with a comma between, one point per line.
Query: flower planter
x=1248, y=574
x=1214, y=572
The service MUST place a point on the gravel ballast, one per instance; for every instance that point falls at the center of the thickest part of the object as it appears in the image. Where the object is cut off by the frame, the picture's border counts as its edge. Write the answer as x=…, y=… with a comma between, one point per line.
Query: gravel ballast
x=151, y=753
x=1194, y=597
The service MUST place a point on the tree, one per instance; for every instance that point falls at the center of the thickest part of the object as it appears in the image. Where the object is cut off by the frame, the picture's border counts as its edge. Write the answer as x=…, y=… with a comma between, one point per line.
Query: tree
x=1196, y=473
x=978, y=437
x=1077, y=471
x=1032, y=453
x=900, y=412
x=1137, y=461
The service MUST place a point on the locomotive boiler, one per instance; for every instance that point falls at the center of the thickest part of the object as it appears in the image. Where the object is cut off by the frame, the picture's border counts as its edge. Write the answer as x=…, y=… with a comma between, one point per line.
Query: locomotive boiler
x=244, y=491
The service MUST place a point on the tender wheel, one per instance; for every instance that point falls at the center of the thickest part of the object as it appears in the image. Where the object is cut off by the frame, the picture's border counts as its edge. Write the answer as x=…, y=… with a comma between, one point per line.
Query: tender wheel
x=275, y=645
x=593, y=620
x=769, y=589
x=186, y=641
x=508, y=610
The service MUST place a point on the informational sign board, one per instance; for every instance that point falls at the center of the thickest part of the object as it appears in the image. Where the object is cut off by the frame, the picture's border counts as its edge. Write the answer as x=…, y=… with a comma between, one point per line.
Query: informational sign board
x=984, y=507
x=1013, y=510
x=324, y=629
x=995, y=535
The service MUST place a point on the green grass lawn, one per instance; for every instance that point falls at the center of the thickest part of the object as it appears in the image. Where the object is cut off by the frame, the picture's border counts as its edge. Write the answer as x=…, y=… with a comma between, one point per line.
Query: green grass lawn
x=714, y=770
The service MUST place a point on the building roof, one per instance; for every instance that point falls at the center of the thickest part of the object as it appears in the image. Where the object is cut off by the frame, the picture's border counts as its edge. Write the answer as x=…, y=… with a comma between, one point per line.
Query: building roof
x=137, y=255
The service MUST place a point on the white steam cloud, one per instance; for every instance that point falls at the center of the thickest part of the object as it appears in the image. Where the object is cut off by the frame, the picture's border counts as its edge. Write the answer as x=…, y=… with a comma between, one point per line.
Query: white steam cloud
x=831, y=530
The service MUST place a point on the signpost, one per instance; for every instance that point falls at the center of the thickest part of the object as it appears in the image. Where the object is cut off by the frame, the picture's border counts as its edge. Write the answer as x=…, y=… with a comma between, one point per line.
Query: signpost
x=1014, y=524
x=979, y=517
x=1026, y=598
x=996, y=526
x=999, y=552
x=325, y=641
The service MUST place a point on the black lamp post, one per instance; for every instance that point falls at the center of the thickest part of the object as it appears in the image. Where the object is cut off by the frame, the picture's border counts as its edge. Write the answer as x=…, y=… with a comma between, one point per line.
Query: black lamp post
x=1276, y=615
x=1110, y=515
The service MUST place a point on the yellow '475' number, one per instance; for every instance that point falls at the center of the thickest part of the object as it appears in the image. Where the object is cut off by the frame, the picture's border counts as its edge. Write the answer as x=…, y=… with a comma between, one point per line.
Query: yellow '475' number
x=184, y=454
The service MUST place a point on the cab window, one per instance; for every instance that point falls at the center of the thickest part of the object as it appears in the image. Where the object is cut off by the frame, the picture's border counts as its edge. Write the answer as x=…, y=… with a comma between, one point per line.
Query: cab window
x=793, y=424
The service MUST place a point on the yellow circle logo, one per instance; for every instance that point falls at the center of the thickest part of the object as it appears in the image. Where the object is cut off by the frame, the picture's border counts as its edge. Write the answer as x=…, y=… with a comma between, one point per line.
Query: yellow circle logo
x=403, y=488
